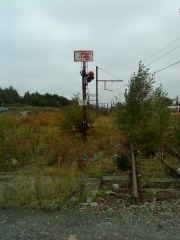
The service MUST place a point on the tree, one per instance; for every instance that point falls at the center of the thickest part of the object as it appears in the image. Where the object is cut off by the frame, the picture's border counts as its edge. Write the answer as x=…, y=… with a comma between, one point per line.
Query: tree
x=145, y=117
x=174, y=139
x=137, y=101
x=10, y=95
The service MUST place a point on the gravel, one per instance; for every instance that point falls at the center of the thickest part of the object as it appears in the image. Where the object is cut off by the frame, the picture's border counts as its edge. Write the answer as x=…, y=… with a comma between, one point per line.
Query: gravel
x=151, y=220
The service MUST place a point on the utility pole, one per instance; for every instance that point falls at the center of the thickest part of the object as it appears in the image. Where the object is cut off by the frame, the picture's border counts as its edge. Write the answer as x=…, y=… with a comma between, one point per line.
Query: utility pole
x=177, y=100
x=116, y=99
x=119, y=97
x=97, y=103
x=97, y=80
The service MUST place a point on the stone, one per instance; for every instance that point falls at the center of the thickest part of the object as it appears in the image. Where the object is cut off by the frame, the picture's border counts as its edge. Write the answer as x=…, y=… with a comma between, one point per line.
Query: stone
x=94, y=204
x=115, y=187
x=89, y=199
x=115, y=178
x=92, y=186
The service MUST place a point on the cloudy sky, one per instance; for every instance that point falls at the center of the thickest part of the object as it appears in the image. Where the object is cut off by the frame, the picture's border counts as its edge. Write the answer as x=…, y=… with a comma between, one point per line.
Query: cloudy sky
x=38, y=39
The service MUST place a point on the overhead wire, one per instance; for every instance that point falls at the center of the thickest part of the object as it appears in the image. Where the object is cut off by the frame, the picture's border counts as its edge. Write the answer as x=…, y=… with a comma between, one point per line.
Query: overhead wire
x=167, y=67
x=163, y=55
x=154, y=72
x=108, y=73
x=161, y=49
x=152, y=55
x=111, y=76
x=114, y=90
x=146, y=65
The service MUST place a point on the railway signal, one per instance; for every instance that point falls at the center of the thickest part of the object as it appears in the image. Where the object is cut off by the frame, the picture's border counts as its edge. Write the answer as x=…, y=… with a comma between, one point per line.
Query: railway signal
x=84, y=57
x=90, y=76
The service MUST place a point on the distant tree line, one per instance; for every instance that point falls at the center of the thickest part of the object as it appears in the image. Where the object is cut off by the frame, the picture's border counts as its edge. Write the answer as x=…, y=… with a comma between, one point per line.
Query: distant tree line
x=10, y=97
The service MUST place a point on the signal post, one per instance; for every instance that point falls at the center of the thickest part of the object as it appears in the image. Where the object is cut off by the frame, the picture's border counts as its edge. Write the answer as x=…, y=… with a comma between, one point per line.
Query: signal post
x=84, y=57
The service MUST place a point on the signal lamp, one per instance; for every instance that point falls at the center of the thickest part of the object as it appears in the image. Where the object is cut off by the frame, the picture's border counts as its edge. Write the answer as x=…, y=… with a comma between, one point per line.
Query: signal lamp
x=90, y=76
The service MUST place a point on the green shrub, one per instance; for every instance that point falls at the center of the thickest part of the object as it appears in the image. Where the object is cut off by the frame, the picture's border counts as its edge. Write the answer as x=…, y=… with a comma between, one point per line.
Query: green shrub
x=122, y=162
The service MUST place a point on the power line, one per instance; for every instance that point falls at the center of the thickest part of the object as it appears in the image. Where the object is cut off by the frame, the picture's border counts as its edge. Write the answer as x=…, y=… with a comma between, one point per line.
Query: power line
x=114, y=90
x=120, y=87
x=163, y=55
x=108, y=73
x=162, y=49
x=154, y=72
x=151, y=55
x=167, y=67
x=146, y=65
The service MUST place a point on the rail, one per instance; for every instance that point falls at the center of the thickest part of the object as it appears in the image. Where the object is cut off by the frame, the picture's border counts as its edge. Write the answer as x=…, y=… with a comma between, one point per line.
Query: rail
x=172, y=171
x=135, y=197
x=173, y=151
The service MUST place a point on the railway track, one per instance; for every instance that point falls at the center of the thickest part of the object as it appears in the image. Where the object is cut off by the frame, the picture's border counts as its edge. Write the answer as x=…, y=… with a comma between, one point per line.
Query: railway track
x=148, y=179
x=128, y=192
x=174, y=172
x=135, y=188
x=157, y=178
x=151, y=178
x=172, y=151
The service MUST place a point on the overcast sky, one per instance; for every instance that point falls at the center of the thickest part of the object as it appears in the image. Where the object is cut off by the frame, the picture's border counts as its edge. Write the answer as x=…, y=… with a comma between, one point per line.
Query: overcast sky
x=38, y=39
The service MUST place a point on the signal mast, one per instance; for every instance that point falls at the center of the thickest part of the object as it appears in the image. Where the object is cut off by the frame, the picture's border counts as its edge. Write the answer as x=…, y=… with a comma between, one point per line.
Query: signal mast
x=84, y=57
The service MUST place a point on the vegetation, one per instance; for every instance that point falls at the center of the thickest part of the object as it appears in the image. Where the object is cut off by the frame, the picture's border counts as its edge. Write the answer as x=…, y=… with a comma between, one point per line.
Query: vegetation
x=47, y=163
x=145, y=117
x=72, y=117
x=11, y=98
x=122, y=162
x=174, y=138
x=46, y=157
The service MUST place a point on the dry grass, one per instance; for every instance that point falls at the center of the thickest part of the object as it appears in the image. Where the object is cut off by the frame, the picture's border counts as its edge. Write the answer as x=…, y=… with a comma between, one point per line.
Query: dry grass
x=52, y=167
x=150, y=169
x=106, y=135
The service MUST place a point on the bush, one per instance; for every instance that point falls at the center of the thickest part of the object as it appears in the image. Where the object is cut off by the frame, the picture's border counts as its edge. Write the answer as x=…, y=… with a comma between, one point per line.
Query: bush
x=122, y=162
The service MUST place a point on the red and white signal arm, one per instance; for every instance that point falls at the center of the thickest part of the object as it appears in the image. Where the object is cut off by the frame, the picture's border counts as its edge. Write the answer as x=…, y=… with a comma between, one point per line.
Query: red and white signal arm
x=83, y=56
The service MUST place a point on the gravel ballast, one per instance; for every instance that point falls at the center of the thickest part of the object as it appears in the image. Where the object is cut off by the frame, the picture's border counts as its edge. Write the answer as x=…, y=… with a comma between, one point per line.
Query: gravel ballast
x=153, y=220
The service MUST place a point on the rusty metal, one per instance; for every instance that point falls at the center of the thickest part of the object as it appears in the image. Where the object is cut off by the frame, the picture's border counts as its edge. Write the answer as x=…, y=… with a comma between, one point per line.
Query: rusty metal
x=84, y=127
x=135, y=197
x=171, y=170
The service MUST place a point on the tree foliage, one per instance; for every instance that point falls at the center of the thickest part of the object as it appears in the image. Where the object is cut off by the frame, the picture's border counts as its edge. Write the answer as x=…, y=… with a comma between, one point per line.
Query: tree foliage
x=174, y=139
x=145, y=116
x=11, y=97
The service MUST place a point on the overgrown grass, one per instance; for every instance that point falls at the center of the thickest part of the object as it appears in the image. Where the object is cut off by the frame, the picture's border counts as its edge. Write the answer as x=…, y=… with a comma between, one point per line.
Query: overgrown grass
x=49, y=162
x=106, y=135
x=41, y=190
x=150, y=169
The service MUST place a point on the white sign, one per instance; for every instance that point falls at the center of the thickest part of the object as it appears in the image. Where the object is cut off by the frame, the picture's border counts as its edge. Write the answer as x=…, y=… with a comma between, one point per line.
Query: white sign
x=83, y=56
